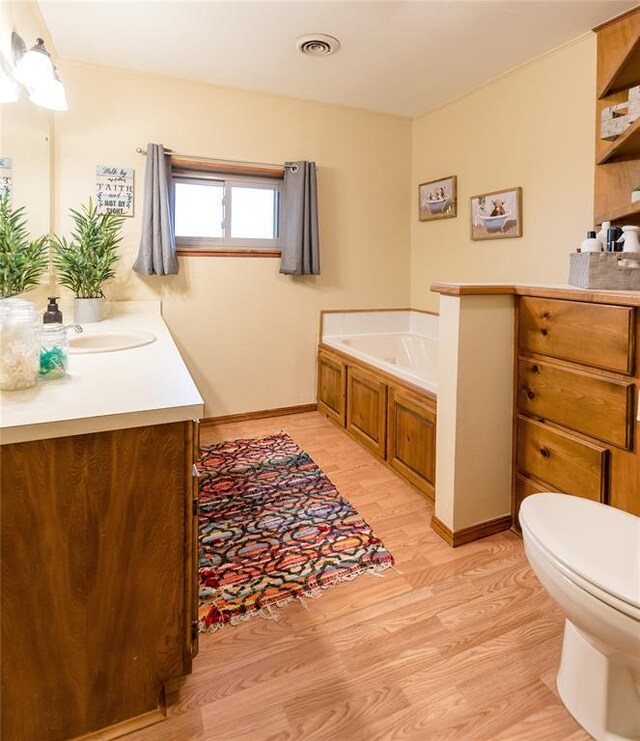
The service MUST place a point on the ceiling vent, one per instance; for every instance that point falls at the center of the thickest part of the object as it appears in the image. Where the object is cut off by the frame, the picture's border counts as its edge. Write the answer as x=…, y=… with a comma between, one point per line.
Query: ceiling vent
x=317, y=44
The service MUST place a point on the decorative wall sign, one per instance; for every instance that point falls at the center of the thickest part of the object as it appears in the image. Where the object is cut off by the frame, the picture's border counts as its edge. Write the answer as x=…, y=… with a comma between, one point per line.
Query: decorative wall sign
x=497, y=215
x=438, y=199
x=6, y=182
x=114, y=190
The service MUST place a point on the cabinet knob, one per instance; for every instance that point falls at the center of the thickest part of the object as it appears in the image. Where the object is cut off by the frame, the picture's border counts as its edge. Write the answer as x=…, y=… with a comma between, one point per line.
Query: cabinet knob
x=544, y=332
x=546, y=315
x=530, y=394
x=535, y=369
x=545, y=452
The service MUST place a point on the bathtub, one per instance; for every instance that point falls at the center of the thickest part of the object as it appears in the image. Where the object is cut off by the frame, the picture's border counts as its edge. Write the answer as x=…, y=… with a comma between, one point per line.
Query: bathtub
x=401, y=343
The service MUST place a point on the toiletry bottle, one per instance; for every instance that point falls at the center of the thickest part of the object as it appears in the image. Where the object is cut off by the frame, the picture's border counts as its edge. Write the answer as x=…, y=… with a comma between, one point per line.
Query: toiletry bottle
x=613, y=235
x=591, y=244
x=602, y=234
x=52, y=315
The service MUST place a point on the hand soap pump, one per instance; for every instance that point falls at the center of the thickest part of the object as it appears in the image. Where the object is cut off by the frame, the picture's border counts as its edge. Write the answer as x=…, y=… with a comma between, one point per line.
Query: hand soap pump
x=52, y=315
x=591, y=244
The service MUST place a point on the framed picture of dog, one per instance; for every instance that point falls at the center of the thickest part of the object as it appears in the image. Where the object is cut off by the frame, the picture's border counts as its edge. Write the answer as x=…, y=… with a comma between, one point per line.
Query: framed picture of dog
x=438, y=199
x=497, y=215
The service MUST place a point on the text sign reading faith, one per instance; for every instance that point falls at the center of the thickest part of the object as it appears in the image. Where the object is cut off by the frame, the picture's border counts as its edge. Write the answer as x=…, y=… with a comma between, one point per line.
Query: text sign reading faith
x=114, y=190
x=5, y=178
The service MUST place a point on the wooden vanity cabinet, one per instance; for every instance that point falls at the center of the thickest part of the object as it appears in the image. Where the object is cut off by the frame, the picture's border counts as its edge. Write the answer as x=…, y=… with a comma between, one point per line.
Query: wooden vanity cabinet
x=99, y=584
x=575, y=401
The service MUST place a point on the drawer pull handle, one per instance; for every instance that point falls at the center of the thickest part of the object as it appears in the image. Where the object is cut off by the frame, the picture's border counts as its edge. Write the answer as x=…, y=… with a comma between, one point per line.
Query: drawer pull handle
x=535, y=369
x=545, y=452
x=546, y=315
x=530, y=394
x=544, y=332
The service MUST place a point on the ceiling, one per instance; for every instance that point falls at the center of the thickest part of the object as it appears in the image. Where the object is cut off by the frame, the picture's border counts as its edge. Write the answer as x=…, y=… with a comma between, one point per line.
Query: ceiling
x=397, y=57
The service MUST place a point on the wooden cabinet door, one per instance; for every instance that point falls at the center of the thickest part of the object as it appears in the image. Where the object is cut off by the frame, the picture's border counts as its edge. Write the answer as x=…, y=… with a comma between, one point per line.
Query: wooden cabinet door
x=93, y=616
x=332, y=378
x=367, y=409
x=193, y=534
x=411, y=439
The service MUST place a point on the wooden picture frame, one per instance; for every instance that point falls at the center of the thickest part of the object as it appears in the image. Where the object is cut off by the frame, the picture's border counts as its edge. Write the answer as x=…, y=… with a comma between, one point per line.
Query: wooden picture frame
x=438, y=199
x=497, y=215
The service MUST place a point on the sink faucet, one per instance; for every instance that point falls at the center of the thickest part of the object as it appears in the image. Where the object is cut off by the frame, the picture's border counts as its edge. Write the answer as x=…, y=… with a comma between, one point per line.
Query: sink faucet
x=75, y=327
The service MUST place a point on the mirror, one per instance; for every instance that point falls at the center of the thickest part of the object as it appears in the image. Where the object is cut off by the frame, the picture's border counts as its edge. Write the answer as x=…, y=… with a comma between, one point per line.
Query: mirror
x=25, y=135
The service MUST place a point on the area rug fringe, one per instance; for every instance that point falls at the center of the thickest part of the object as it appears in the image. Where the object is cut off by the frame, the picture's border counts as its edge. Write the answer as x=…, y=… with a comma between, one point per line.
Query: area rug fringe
x=268, y=612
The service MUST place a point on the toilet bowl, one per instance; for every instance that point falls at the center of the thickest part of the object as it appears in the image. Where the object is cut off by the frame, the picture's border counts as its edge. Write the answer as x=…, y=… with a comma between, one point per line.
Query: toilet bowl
x=587, y=556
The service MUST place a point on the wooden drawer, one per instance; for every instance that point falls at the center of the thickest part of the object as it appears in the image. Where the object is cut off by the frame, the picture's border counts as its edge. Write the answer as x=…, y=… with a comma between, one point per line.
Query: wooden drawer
x=332, y=380
x=593, y=334
x=564, y=462
x=524, y=487
x=588, y=403
x=411, y=439
x=367, y=409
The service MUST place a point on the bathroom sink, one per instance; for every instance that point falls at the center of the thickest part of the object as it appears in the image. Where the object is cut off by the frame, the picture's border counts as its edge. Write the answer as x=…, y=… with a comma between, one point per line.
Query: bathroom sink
x=109, y=341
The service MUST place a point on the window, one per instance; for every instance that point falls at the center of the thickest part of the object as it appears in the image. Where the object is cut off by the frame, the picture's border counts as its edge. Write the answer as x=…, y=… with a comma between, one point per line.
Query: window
x=217, y=212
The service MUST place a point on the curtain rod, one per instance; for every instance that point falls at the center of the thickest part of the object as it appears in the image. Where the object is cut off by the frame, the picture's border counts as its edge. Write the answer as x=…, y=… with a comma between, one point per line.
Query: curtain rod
x=293, y=168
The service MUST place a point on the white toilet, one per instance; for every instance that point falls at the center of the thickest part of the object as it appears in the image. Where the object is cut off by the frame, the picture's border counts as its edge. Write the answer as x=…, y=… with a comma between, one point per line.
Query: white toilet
x=587, y=556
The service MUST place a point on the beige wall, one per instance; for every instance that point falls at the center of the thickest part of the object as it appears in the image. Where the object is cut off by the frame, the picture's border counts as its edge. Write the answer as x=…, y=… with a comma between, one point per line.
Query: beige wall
x=532, y=128
x=248, y=334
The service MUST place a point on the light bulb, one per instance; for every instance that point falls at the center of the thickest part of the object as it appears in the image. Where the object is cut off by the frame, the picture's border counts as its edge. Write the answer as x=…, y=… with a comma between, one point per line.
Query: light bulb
x=34, y=69
x=51, y=95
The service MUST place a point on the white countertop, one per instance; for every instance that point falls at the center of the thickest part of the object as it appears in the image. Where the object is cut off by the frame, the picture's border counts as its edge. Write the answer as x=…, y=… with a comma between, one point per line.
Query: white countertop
x=106, y=391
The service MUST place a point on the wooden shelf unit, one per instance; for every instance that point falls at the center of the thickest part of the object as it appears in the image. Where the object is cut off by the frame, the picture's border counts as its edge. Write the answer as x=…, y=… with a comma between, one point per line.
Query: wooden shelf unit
x=617, y=170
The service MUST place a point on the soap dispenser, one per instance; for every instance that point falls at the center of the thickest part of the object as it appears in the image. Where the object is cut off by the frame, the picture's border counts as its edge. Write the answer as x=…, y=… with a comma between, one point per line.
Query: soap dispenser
x=52, y=315
x=591, y=244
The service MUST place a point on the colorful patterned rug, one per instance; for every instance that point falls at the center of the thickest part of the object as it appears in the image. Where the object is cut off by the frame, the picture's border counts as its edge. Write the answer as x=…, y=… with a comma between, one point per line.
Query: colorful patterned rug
x=273, y=529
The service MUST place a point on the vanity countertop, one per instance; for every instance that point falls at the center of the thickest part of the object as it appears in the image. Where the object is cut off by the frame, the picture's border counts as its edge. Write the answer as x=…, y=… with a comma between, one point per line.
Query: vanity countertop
x=141, y=386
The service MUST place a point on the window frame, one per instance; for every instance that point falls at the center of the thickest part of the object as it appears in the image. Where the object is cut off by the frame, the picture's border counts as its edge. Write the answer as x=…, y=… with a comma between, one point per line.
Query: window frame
x=227, y=245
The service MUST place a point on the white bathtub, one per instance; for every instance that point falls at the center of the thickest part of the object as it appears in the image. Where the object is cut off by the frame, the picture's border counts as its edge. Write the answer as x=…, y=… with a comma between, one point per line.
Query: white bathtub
x=411, y=357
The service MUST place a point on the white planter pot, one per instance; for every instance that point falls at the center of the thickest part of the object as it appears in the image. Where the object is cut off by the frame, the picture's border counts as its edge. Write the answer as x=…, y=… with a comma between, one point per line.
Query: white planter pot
x=87, y=310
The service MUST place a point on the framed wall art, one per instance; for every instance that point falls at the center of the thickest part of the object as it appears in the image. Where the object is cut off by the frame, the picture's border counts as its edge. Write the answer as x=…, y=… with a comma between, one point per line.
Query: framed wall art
x=497, y=215
x=438, y=199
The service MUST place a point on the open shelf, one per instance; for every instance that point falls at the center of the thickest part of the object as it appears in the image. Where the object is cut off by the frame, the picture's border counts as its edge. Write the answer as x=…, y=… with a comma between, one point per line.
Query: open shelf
x=628, y=211
x=625, y=147
x=627, y=74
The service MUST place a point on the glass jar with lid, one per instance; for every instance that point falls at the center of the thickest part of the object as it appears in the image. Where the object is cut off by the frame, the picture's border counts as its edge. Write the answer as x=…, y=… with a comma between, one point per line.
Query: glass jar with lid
x=54, y=351
x=19, y=345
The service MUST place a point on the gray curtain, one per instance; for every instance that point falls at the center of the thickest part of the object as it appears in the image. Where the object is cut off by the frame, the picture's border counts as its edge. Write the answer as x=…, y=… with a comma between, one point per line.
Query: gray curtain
x=299, y=238
x=157, y=253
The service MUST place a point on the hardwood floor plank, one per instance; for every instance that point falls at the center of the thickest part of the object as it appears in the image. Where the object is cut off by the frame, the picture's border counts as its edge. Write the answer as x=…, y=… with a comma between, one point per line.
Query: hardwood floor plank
x=462, y=644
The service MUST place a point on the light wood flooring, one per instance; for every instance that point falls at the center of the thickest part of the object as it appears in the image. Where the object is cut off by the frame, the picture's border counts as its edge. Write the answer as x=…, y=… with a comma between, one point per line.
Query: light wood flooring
x=463, y=644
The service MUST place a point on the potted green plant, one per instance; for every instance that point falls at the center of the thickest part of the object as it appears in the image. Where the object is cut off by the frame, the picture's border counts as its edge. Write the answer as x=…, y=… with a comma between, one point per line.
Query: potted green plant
x=86, y=261
x=22, y=260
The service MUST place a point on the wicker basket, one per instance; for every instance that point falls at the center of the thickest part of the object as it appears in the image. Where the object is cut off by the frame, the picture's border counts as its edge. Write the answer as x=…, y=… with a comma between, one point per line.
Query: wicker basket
x=613, y=271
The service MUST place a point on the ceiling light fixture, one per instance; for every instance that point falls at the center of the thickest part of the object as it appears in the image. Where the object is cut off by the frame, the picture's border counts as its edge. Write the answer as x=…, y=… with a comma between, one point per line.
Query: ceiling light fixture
x=9, y=90
x=317, y=44
x=35, y=70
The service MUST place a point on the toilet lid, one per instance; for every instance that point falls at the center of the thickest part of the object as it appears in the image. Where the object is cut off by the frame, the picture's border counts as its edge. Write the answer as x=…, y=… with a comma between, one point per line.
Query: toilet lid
x=599, y=543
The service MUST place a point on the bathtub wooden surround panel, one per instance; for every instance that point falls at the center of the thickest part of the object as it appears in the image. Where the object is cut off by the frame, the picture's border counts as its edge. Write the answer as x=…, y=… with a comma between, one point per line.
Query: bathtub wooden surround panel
x=411, y=438
x=393, y=419
x=367, y=409
x=99, y=580
x=332, y=380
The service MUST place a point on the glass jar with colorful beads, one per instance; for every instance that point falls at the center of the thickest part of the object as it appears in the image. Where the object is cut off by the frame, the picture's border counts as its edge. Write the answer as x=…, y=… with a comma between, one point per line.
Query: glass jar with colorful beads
x=54, y=351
